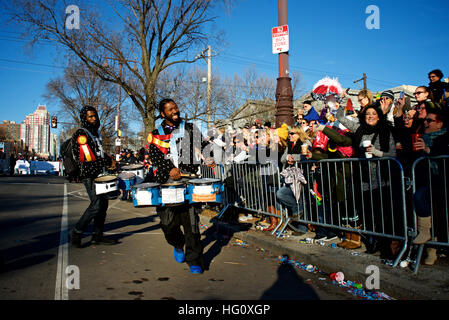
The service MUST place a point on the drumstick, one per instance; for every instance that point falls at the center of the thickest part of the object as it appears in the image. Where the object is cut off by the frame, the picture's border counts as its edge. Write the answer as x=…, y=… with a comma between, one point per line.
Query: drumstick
x=188, y=175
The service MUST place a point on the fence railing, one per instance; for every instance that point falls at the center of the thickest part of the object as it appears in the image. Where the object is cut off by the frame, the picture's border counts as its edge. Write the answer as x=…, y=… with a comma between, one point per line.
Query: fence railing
x=366, y=196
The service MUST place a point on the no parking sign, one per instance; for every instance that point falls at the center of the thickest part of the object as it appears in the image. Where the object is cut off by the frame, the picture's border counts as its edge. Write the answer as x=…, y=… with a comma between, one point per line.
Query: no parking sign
x=279, y=36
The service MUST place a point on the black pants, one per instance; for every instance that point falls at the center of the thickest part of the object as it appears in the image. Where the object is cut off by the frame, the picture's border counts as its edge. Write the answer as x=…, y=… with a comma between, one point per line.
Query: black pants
x=95, y=211
x=172, y=218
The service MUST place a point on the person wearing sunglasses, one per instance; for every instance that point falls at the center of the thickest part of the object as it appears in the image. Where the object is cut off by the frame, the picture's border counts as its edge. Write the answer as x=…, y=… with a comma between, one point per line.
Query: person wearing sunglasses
x=434, y=142
x=439, y=90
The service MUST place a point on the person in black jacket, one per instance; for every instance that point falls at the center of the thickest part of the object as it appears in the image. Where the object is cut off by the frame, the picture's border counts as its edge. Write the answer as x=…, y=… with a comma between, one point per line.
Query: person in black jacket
x=92, y=161
x=439, y=90
x=171, y=163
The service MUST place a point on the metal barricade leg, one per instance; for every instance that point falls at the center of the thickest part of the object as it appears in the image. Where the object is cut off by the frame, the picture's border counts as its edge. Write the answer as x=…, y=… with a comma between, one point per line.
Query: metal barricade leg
x=418, y=258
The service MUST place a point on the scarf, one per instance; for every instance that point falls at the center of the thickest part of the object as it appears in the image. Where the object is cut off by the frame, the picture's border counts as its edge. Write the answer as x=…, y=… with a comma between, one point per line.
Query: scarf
x=381, y=130
x=430, y=137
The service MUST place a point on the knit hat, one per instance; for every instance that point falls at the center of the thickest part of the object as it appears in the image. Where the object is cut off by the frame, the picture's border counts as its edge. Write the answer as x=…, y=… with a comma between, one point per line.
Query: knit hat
x=282, y=132
x=388, y=94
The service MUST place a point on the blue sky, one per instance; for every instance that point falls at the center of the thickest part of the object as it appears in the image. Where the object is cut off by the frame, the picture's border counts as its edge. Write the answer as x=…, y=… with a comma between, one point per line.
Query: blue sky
x=326, y=38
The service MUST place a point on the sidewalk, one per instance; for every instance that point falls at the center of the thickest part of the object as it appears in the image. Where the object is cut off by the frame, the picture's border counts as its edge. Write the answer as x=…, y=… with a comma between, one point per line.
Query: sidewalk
x=399, y=283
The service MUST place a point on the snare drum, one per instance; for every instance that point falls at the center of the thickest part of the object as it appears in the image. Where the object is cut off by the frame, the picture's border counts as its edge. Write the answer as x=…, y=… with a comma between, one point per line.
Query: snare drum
x=146, y=194
x=108, y=186
x=205, y=190
x=126, y=180
x=137, y=169
x=173, y=193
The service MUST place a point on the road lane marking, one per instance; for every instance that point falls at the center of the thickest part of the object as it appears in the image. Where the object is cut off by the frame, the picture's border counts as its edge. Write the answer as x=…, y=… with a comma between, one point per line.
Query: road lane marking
x=61, y=291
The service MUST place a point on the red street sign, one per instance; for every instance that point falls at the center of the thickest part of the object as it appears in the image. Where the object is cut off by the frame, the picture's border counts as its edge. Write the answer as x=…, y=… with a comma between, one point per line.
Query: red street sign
x=279, y=36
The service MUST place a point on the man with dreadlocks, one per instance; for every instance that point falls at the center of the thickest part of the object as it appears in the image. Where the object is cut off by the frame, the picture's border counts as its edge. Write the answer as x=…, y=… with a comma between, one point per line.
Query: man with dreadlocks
x=172, y=146
x=92, y=160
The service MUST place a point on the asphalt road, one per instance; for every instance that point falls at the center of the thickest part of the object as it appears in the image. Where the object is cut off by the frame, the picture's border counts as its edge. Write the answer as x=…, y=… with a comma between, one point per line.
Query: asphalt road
x=37, y=260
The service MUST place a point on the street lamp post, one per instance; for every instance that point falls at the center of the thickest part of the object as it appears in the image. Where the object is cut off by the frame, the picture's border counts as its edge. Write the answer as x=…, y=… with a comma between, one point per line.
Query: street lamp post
x=284, y=92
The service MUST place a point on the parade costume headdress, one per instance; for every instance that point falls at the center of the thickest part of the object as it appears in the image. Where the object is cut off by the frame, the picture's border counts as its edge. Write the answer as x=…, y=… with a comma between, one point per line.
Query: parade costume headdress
x=327, y=87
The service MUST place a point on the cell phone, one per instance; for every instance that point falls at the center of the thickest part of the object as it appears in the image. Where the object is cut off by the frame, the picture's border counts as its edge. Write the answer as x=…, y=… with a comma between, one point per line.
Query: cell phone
x=401, y=95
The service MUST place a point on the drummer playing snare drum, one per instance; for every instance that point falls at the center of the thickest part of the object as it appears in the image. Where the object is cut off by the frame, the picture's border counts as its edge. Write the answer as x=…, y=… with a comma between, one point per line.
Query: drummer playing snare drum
x=171, y=149
x=92, y=161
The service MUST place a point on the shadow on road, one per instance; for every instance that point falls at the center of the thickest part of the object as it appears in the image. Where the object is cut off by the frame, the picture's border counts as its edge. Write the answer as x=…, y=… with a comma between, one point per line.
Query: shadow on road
x=221, y=238
x=24, y=262
x=289, y=286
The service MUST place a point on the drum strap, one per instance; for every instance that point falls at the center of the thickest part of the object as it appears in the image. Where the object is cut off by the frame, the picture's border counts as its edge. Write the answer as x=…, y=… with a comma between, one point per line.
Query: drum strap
x=97, y=141
x=175, y=135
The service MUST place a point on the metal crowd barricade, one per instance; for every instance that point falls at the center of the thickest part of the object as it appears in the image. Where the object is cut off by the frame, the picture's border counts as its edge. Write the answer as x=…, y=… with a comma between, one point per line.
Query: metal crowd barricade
x=253, y=187
x=364, y=196
x=430, y=187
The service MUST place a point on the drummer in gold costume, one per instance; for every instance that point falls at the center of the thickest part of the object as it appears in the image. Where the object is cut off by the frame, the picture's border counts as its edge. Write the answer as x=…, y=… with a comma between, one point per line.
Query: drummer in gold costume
x=170, y=147
x=93, y=161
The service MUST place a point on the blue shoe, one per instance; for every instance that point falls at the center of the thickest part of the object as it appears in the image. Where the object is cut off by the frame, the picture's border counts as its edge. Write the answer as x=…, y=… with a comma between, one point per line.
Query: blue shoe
x=179, y=255
x=196, y=270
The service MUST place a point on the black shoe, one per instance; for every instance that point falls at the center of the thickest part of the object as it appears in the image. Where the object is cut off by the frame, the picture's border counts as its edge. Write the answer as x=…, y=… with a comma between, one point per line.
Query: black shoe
x=75, y=239
x=100, y=239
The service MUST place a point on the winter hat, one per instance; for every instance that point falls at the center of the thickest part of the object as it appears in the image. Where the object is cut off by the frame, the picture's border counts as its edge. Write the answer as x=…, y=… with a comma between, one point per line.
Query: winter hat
x=282, y=132
x=388, y=94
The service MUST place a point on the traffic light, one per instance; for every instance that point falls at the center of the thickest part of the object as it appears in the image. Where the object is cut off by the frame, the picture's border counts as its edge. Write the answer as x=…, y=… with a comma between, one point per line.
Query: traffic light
x=54, y=122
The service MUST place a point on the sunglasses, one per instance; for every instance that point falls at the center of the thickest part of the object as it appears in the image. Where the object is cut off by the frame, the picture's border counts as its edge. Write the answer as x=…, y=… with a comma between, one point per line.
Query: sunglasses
x=429, y=120
x=418, y=92
x=291, y=133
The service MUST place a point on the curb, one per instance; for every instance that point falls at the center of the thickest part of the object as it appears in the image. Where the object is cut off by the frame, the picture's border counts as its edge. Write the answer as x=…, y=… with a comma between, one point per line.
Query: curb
x=399, y=283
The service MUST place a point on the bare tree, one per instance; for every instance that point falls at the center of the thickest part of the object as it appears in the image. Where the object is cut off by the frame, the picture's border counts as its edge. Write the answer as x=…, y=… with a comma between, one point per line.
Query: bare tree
x=78, y=87
x=144, y=38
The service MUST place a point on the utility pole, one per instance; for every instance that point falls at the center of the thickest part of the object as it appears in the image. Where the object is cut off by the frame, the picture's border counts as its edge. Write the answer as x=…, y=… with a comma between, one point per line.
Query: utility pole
x=209, y=86
x=364, y=81
x=284, y=92
x=117, y=123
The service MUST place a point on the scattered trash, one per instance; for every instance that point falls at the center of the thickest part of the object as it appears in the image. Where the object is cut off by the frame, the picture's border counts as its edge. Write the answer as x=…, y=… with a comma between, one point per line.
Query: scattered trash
x=203, y=226
x=387, y=262
x=212, y=280
x=355, y=288
x=320, y=242
x=333, y=245
x=404, y=264
x=355, y=253
x=240, y=243
x=338, y=276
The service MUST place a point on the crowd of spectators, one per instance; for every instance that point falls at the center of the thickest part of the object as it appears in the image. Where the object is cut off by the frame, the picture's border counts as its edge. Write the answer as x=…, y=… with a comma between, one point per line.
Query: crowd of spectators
x=383, y=127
